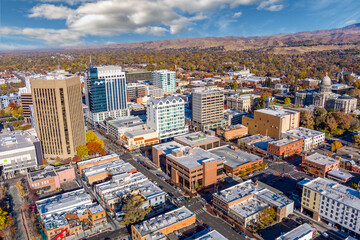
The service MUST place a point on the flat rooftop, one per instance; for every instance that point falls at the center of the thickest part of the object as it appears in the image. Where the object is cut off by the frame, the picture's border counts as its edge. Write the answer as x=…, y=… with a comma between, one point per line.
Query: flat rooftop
x=234, y=158
x=277, y=112
x=238, y=191
x=340, y=175
x=297, y=233
x=234, y=127
x=58, y=74
x=336, y=191
x=196, y=139
x=303, y=133
x=47, y=172
x=273, y=198
x=283, y=142
x=321, y=159
x=138, y=132
x=126, y=122
x=98, y=159
x=118, y=165
x=194, y=159
x=167, y=147
x=213, y=235
x=248, y=207
x=63, y=202
x=163, y=221
x=16, y=140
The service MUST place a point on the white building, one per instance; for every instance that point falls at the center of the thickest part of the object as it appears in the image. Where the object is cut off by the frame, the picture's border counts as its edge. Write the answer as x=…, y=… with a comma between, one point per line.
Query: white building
x=167, y=116
x=165, y=79
x=312, y=138
x=302, y=232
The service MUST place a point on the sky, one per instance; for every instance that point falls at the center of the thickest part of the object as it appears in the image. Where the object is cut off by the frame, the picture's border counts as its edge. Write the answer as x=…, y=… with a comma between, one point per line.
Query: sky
x=33, y=24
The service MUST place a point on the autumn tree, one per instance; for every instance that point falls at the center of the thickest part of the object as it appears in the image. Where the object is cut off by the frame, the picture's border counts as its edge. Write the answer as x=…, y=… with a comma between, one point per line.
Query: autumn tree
x=331, y=124
x=21, y=188
x=234, y=85
x=356, y=140
x=90, y=136
x=94, y=147
x=76, y=158
x=101, y=142
x=335, y=146
x=134, y=210
x=82, y=151
x=287, y=101
x=306, y=119
x=267, y=216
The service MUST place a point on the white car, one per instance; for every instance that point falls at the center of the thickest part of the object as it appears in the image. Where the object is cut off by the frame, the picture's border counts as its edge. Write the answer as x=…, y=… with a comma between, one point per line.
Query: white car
x=324, y=234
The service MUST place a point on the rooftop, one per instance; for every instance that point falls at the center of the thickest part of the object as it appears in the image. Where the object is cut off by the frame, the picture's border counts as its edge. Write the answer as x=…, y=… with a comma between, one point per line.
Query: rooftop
x=196, y=139
x=252, y=138
x=248, y=207
x=168, y=146
x=297, y=233
x=162, y=221
x=126, y=122
x=98, y=159
x=16, y=140
x=165, y=101
x=195, y=158
x=234, y=158
x=233, y=127
x=63, y=202
x=204, y=90
x=213, y=235
x=276, y=111
x=336, y=191
x=96, y=209
x=303, y=133
x=284, y=141
x=58, y=74
x=47, y=173
x=118, y=166
x=340, y=175
x=138, y=132
x=273, y=198
x=321, y=159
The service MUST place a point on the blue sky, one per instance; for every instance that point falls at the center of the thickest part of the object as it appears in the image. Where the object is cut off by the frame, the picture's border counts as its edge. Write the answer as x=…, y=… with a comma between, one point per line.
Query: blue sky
x=29, y=24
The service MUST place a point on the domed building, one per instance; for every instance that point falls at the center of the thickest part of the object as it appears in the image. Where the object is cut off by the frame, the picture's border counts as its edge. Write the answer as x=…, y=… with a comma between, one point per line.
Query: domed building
x=326, y=98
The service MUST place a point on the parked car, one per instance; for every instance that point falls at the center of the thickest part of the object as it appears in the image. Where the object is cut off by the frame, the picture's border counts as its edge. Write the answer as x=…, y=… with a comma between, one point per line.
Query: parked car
x=324, y=234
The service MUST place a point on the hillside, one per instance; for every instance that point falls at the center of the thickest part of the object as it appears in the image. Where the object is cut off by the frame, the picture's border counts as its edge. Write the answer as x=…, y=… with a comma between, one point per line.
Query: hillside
x=339, y=38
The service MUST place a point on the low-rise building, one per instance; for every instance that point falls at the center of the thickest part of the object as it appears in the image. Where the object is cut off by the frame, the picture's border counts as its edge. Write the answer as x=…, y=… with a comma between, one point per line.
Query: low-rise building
x=116, y=128
x=50, y=178
x=338, y=176
x=318, y=164
x=312, y=138
x=302, y=232
x=245, y=201
x=212, y=235
x=103, y=171
x=165, y=223
x=139, y=138
x=285, y=147
x=193, y=168
x=232, y=131
x=237, y=160
x=20, y=152
x=245, y=102
x=234, y=117
x=160, y=151
x=199, y=139
x=113, y=192
x=95, y=161
x=332, y=203
x=72, y=213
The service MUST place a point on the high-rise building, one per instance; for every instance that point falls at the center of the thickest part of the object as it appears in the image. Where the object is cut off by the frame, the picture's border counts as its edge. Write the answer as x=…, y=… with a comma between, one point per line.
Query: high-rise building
x=165, y=79
x=167, y=116
x=208, y=108
x=135, y=90
x=58, y=113
x=105, y=91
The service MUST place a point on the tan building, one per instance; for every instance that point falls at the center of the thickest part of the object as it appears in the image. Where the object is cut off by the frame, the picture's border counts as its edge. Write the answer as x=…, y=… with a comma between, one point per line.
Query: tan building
x=199, y=139
x=193, y=168
x=207, y=106
x=139, y=138
x=272, y=121
x=245, y=102
x=233, y=131
x=58, y=113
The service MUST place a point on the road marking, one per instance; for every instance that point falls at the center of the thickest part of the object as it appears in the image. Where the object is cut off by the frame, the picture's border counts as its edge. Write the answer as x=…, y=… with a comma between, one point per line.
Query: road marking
x=199, y=211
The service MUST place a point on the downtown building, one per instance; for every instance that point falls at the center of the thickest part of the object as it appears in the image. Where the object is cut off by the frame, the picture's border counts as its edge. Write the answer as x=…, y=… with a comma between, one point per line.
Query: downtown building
x=105, y=92
x=208, y=109
x=165, y=79
x=167, y=116
x=58, y=113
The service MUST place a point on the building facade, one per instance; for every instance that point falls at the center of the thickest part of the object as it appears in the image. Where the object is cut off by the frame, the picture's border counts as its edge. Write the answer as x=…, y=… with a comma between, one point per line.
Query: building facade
x=246, y=102
x=202, y=140
x=135, y=91
x=105, y=93
x=312, y=138
x=58, y=113
x=167, y=116
x=285, y=147
x=319, y=165
x=272, y=121
x=164, y=79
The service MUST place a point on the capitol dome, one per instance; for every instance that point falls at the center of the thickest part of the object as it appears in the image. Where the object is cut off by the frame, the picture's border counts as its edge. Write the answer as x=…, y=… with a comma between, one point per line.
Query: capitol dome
x=326, y=80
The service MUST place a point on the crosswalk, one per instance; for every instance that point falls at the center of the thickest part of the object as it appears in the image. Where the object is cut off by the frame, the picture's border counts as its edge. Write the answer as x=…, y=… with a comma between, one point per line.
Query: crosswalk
x=199, y=211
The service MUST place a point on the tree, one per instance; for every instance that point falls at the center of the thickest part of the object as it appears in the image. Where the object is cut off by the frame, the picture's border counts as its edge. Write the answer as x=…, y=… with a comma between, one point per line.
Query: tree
x=90, y=136
x=101, y=142
x=76, y=158
x=342, y=119
x=134, y=209
x=4, y=218
x=103, y=152
x=21, y=188
x=331, y=124
x=357, y=84
x=335, y=146
x=82, y=151
x=94, y=147
x=306, y=119
x=287, y=101
x=44, y=162
x=234, y=85
x=354, y=185
x=356, y=140
x=267, y=216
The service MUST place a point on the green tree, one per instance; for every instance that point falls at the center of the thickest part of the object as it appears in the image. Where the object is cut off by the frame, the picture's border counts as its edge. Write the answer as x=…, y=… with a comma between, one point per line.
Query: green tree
x=134, y=209
x=234, y=85
x=267, y=216
x=287, y=101
x=82, y=151
x=90, y=136
x=354, y=185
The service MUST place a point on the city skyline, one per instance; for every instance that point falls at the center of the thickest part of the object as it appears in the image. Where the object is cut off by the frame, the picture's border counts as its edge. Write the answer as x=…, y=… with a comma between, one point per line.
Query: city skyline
x=52, y=23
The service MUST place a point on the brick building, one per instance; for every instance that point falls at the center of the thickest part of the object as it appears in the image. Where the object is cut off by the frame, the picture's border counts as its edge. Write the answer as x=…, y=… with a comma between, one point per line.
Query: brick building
x=285, y=147
x=50, y=179
x=193, y=168
x=160, y=151
x=232, y=132
x=135, y=91
x=318, y=164
x=95, y=161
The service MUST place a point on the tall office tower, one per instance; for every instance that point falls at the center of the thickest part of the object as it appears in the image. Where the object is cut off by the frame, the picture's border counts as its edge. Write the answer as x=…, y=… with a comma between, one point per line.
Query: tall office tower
x=58, y=113
x=167, y=116
x=105, y=91
x=208, y=108
x=26, y=100
x=165, y=79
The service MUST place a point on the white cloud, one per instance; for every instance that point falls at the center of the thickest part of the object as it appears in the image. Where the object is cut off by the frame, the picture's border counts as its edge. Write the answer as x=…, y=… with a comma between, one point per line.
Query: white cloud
x=237, y=14
x=350, y=22
x=115, y=17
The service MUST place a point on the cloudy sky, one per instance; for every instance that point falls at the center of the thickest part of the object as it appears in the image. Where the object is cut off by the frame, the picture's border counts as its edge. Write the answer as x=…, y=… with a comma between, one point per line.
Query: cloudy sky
x=27, y=24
